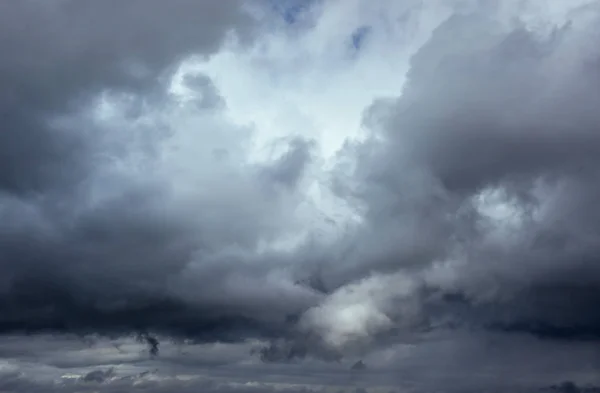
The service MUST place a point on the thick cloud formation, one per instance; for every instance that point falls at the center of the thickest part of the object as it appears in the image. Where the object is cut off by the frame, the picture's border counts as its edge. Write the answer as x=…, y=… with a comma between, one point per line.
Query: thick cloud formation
x=99, y=208
x=126, y=208
x=57, y=54
x=479, y=183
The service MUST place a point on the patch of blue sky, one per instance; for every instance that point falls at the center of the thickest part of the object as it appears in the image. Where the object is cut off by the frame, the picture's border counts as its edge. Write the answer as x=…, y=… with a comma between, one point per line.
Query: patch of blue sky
x=291, y=10
x=359, y=36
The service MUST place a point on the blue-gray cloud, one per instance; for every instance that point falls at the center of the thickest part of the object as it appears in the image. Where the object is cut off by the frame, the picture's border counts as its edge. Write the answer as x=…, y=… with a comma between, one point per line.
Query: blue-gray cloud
x=174, y=245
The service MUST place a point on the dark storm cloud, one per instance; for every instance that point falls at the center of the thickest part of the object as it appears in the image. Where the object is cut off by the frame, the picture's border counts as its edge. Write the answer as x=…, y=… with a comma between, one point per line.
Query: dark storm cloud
x=177, y=248
x=56, y=54
x=130, y=267
x=499, y=113
x=85, y=247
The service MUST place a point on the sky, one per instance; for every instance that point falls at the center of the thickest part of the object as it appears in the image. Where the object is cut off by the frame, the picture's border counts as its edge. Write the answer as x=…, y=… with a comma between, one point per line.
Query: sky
x=299, y=196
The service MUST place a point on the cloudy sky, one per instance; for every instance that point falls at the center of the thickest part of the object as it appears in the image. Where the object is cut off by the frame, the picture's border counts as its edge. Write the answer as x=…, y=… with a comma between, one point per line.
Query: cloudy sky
x=299, y=196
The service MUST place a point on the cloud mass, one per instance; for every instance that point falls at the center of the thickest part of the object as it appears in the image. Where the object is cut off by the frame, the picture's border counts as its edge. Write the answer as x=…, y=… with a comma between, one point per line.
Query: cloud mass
x=322, y=181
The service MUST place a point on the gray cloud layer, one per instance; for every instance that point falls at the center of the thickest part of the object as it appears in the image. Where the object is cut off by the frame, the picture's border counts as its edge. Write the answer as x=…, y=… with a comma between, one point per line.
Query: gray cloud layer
x=51, y=363
x=513, y=114
x=73, y=260
x=57, y=54
x=172, y=243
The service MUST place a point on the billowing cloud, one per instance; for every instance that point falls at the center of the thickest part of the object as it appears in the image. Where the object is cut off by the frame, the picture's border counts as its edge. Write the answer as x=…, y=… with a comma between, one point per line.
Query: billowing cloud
x=329, y=178
x=483, y=174
x=58, y=54
x=125, y=208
